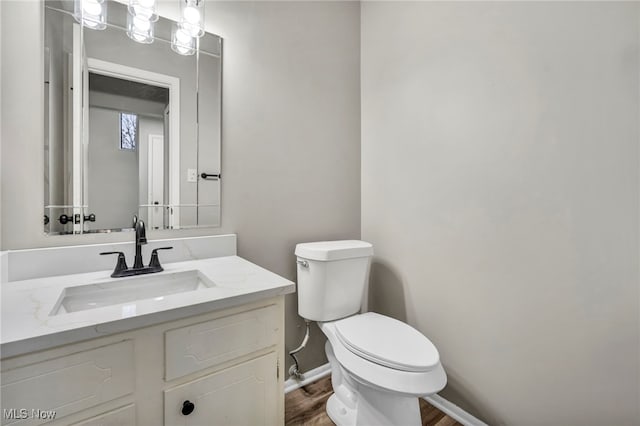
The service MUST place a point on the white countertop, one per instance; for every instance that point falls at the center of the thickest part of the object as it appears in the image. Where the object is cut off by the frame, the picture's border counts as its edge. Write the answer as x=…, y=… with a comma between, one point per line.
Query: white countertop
x=27, y=323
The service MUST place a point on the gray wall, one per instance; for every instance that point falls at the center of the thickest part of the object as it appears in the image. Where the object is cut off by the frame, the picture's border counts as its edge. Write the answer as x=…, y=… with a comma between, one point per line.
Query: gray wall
x=500, y=191
x=291, y=132
x=208, y=138
x=112, y=172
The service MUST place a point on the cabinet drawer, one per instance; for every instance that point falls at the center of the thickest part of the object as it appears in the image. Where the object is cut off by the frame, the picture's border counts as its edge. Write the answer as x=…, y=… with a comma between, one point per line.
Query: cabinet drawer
x=246, y=394
x=68, y=384
x=193, y=348
x=123, y=416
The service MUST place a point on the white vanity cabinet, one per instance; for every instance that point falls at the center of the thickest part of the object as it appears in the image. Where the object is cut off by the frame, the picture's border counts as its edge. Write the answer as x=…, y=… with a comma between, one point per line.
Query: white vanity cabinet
x=220, y=368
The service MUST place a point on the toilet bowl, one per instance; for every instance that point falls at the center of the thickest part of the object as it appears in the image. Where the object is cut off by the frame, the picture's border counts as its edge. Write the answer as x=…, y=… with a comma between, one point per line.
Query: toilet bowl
x=379, y=373
x=379, y=366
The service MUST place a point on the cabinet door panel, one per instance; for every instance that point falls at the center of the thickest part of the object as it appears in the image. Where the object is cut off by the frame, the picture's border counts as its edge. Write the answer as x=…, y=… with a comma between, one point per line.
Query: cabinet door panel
x=69, y=384
x=123, y=416
x=199, y=346
x=246, y=394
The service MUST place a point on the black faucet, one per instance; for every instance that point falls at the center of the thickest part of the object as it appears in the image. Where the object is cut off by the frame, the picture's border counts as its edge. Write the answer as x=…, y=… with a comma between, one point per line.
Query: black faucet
x=122, y=270
x=141, y=238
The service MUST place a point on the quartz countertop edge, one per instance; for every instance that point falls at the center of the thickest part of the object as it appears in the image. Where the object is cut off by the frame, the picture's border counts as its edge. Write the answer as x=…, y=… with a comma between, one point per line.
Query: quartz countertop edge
x=27, y=325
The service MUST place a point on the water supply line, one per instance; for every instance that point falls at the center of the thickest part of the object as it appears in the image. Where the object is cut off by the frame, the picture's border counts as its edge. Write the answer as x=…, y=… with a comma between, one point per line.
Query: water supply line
x=294, y=370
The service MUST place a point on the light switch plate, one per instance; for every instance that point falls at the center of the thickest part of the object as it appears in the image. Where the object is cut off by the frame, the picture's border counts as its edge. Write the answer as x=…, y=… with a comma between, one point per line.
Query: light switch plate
x=192, y=175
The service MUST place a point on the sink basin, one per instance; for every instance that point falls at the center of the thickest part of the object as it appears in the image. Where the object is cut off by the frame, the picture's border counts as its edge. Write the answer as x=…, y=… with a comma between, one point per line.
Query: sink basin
x=91, y=296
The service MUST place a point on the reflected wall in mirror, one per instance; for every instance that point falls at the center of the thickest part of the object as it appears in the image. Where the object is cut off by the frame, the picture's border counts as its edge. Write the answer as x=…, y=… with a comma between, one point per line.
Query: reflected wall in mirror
x=130, y=128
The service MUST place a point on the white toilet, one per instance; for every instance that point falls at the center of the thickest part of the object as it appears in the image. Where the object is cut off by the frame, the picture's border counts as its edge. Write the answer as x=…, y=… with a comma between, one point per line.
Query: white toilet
x=379, y=365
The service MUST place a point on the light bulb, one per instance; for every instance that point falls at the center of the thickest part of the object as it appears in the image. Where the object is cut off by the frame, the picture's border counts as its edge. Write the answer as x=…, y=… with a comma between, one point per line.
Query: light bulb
x=139, y=29
x=183, y=37
x=142, y=12
x=193, y=30
x=183, y=50
x=91, y=7
x=138, y=37
x=89, y=23
x=140, y=24
x=191, y=15
x=91, y=13
x=145, y=9
x=182, y=42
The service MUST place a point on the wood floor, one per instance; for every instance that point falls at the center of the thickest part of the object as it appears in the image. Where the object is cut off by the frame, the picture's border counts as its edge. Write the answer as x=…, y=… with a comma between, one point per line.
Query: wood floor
x=306, y=406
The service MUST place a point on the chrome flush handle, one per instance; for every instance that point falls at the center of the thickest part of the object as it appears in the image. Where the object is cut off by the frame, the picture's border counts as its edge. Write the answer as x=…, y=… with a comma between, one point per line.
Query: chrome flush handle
x=303, y=263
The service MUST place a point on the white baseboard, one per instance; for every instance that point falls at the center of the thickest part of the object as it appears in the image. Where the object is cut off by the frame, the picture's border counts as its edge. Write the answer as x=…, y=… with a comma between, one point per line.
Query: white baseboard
x=309, y=377
x=453, y=411
x=447, y=407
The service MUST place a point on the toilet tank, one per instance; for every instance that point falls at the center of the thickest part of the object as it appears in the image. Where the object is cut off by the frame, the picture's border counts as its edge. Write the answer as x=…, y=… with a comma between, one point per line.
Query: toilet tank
x=332, y=276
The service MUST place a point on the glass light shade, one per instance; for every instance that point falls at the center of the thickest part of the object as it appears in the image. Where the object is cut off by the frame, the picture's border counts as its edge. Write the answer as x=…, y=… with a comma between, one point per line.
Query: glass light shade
x=91, y=13
x=140, y=29
x=144, y=8
x=192, y=17
x=182, y=42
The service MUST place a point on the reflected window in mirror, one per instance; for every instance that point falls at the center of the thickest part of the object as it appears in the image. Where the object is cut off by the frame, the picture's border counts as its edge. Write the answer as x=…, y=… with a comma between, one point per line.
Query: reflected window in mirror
x=128, y=131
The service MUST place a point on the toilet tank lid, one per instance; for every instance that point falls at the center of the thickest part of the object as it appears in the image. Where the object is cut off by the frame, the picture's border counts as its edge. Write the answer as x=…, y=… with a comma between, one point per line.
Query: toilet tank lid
x=334, y=250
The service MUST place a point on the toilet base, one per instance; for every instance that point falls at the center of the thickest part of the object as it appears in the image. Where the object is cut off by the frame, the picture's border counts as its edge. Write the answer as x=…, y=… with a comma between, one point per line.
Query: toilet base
x=359, y=404
x=340, y=414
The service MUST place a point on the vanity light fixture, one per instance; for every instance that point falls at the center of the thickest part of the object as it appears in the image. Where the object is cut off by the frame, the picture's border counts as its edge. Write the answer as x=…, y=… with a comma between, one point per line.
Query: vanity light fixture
x=140, y=29
x=91, y=13
x=145, y=9
x=181, y=41
x=192, y=17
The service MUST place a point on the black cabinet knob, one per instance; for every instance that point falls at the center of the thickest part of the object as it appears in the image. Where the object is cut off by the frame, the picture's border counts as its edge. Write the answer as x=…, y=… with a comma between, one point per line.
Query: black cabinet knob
x=187, y=407
x=64, y=219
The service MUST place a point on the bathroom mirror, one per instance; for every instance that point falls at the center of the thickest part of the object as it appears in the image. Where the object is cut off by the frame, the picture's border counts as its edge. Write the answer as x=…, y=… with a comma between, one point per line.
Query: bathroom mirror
x=130, y=128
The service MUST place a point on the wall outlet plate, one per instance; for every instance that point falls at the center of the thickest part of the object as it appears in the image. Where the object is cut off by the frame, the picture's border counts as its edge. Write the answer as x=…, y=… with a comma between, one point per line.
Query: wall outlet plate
x=192, y=175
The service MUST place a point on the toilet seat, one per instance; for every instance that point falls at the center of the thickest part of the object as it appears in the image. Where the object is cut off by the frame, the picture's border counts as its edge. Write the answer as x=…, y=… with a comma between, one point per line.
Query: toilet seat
x=387, y=342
